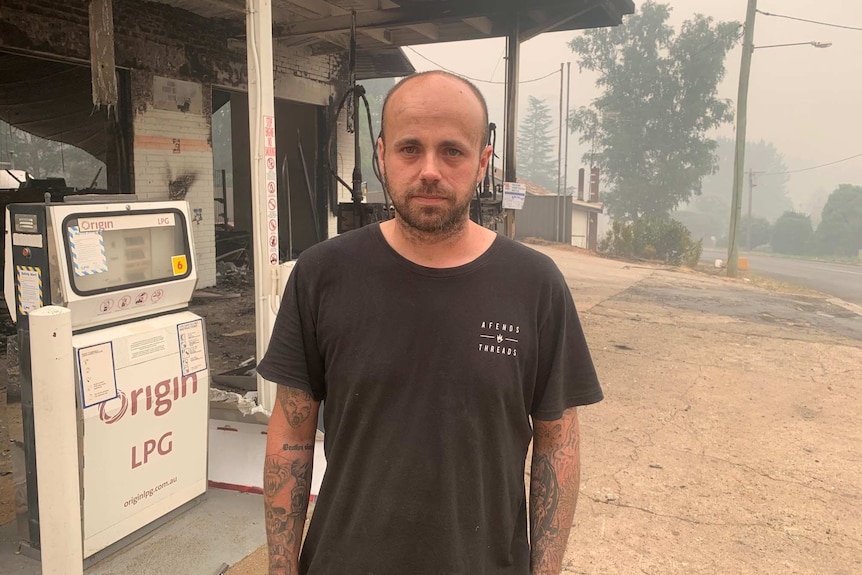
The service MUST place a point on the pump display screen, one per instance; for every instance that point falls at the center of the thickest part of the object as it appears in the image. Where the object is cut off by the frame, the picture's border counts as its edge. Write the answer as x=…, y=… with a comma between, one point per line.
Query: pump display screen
x=108, y=252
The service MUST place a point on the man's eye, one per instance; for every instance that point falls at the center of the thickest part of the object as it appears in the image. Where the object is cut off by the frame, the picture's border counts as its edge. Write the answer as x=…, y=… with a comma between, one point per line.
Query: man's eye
x=409, y=149
x=453, y=152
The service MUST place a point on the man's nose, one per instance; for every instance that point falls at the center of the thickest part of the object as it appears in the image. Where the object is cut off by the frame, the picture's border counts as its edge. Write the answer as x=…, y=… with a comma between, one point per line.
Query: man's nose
x=430, y=168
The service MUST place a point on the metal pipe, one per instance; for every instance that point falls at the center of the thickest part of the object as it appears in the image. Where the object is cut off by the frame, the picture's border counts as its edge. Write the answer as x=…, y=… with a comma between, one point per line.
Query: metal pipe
x=510, y=172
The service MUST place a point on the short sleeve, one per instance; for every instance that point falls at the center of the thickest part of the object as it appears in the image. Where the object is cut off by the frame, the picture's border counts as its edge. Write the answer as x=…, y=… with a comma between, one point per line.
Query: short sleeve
x=293, y=357
x=566, y=376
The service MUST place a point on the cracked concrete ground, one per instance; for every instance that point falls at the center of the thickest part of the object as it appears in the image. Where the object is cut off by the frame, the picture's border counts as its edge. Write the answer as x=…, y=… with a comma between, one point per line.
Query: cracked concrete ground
x=729, y=439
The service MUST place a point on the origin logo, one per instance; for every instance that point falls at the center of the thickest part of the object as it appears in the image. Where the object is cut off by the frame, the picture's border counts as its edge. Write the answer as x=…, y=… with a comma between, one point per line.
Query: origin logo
x=157, y=398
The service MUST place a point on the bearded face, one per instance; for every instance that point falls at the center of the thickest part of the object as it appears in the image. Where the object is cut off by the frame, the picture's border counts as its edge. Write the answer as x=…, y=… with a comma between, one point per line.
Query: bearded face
x=432, y=208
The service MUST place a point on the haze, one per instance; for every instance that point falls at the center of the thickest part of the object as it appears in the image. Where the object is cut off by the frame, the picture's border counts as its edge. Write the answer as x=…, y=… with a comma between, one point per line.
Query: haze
x=804, y=100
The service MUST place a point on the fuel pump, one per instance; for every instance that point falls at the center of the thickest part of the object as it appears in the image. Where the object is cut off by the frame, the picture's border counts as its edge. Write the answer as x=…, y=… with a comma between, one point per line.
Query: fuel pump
x=487, y=209
x=126, y=271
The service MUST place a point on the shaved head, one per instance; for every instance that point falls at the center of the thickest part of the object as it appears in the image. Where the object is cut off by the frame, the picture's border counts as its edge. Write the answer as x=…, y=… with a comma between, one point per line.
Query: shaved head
x=421, y=76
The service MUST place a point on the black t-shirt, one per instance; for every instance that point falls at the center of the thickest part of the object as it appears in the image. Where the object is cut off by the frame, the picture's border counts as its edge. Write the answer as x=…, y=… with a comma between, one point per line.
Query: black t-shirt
x=429, y=378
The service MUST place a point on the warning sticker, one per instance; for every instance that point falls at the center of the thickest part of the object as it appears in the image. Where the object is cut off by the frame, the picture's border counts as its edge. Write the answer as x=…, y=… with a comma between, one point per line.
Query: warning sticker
x=271, y=186
x=193, y=351
x=98, y=377
x=88, y=252
x=179, y=264
x=29, y=285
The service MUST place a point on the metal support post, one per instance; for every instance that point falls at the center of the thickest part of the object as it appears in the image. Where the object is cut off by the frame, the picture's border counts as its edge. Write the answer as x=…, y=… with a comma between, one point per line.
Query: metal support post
x=568, y=201
x=261, y=117
x=56, y=439
x=513, y=48
x=557, y=232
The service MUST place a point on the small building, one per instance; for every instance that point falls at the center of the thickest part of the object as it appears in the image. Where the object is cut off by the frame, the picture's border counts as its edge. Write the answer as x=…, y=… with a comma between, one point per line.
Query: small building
x=558, y=218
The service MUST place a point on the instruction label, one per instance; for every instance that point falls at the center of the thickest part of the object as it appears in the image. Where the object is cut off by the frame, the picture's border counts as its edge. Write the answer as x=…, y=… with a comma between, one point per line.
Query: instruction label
x=29, y=285
x=514, y=196
x=146, y=346
x=193, y=350
x=98, y=377
x=88, y=252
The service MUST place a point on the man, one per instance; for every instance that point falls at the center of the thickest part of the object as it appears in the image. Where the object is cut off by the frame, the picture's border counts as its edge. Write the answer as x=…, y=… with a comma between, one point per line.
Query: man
x=434, y=342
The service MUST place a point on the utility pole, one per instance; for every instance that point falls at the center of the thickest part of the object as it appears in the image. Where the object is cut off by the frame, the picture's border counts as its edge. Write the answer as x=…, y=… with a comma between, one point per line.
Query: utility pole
x=741, y=122
x=566, y=154
x=559, y=158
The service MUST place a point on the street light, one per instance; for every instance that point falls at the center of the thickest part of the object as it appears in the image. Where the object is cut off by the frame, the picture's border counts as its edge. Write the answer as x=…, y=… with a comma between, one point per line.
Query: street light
x=812, y=43
x=741, y=119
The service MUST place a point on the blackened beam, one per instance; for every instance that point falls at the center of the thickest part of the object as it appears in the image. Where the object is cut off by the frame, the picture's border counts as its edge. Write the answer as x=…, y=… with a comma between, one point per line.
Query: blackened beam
x=102, y=59
x=430, y=31
x=427, y=12
x=550, y=24
x=237, y=6
x=327, y=9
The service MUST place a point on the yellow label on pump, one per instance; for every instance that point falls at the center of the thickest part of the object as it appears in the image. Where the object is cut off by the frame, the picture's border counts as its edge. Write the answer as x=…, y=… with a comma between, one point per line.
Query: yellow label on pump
x=180, y=265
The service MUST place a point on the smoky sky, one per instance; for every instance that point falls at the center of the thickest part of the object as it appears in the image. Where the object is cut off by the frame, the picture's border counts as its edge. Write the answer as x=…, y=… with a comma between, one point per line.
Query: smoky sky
x=804, y=100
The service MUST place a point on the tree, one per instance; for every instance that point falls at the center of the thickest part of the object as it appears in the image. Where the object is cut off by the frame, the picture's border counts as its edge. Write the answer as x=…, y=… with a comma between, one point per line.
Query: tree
x=649, y=127
x=792, y=233
x=43, y=158
x=761, y=232
x=535, y=145
x=840, y=229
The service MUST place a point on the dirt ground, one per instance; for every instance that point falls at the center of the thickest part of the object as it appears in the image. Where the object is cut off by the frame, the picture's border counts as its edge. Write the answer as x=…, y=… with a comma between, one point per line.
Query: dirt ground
x=729, y=440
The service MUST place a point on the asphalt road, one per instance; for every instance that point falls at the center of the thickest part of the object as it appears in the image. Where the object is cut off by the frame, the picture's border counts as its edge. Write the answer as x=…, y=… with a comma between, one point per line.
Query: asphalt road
x=839, y=280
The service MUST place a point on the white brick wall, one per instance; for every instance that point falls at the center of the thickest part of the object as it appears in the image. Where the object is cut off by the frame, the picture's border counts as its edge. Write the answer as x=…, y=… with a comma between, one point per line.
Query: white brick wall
x=299, y=76
x=157, y=163
x=302, y=77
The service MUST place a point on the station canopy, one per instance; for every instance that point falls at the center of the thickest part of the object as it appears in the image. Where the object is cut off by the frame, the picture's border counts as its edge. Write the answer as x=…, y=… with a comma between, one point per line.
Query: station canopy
x=383, y=26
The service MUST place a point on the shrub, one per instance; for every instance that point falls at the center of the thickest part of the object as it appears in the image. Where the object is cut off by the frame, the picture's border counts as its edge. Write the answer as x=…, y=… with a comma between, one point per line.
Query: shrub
x=792, y=233
x=667, y=240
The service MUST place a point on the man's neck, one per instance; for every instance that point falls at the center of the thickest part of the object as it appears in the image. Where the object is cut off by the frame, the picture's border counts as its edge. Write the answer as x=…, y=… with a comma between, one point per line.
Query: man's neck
x=438, y=251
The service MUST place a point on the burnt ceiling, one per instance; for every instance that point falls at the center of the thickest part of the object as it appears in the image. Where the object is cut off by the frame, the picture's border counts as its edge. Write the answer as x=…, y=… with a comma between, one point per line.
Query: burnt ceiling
x=326, y=24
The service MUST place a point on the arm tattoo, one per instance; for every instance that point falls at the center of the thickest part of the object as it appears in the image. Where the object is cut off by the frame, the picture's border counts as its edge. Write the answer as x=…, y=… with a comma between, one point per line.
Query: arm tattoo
x=287, y=477
x=286, y=487
x=296, y=405
x=554, y=483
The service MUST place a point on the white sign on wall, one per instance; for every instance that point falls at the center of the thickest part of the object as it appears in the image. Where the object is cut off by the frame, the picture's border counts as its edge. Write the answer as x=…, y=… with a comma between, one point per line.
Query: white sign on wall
x=514, y=195
x=177, y=96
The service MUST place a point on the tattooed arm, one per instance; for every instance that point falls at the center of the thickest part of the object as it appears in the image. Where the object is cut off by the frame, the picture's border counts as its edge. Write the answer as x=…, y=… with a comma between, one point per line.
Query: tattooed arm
x=287, y=476
x=554, y=482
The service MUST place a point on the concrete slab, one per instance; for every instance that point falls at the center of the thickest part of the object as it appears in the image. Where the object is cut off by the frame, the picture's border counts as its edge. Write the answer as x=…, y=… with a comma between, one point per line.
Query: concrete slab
x=593, y=279
x=225, y=527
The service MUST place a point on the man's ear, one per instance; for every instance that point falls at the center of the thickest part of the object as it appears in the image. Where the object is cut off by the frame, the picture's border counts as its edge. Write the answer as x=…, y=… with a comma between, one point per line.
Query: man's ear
x=484, y=159
x=380, y=163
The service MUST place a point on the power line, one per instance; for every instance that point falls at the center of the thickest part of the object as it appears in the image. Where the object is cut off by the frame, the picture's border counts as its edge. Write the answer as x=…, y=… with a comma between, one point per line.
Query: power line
x=810, y=21
x=479, y=79
x=812, y=167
